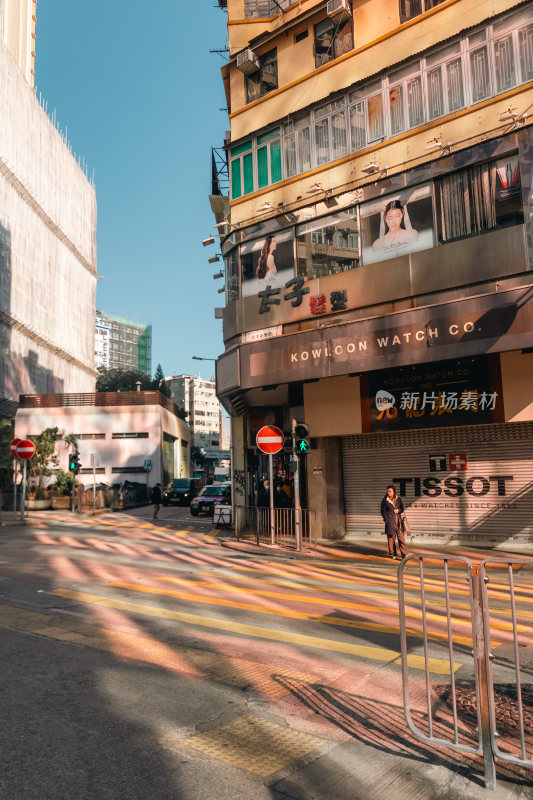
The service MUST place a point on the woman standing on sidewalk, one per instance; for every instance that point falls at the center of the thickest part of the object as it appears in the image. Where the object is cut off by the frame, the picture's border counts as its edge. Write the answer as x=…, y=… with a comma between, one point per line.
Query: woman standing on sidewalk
x=391, y=511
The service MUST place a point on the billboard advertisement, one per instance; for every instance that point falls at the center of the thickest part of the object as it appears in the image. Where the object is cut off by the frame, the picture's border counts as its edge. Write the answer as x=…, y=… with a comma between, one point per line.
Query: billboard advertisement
x=267, y=262
x=397, y=224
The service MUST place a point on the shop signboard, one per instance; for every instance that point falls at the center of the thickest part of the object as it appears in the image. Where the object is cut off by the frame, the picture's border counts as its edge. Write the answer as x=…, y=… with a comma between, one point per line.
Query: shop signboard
x=434, y=395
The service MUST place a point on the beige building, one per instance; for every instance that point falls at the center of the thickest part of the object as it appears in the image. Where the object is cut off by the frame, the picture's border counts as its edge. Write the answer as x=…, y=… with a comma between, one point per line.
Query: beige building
x=378, y=257
x=130, y=436
x=47, y=233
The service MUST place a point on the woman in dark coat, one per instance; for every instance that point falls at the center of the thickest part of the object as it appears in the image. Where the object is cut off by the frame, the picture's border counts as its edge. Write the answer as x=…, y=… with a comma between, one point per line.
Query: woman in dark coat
x=391, y=511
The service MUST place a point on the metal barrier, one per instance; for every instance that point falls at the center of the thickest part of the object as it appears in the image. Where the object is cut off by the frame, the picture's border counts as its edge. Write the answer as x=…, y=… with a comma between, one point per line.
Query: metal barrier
x=461, y=577
x=280, y=528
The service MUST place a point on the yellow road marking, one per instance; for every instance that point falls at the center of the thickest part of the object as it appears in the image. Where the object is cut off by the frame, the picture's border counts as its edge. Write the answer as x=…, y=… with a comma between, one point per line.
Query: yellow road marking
x=325, y=620
x=209, y=537
x=436, y=665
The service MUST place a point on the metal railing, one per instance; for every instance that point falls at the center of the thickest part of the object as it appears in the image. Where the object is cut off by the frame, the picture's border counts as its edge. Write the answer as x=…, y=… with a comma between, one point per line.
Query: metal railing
x=281, y=527
x=475, y=725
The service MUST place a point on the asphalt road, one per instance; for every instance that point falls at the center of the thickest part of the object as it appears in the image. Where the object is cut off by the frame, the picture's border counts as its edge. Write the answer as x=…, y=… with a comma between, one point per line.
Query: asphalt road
x=146, y=659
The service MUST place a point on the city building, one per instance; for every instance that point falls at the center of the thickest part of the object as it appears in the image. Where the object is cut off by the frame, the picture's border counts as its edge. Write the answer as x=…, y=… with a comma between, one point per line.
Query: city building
x=47, y=233
x=129, y=436
x=378, y=258
x=122, y=344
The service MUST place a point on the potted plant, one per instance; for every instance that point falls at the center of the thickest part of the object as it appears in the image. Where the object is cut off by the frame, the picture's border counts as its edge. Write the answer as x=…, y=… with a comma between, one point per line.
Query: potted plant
x=62, y=490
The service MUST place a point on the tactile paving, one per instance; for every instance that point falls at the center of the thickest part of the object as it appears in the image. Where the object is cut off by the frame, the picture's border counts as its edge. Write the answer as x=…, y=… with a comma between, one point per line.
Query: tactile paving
x=255, y=745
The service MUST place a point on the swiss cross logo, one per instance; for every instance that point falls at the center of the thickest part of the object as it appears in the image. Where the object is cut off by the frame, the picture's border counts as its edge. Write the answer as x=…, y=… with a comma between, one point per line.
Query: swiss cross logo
x=457, y=461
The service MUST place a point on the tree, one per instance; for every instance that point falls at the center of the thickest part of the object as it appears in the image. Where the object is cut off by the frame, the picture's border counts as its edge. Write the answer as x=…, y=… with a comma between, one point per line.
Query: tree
x=122, y=380
x=159, y=381
x=198, y=457
x=45, y=458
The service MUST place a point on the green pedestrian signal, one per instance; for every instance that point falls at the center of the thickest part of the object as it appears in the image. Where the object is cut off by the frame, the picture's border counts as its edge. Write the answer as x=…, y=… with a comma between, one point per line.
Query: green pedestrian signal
x=74, y=463
x=302, y=438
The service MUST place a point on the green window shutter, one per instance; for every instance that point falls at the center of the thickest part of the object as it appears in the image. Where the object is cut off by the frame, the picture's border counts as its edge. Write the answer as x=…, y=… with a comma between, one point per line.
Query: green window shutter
x=236, y=190
x=263, y=138
x=241, y=148
x=262, y=167
x=248, y=170
x=275, y=161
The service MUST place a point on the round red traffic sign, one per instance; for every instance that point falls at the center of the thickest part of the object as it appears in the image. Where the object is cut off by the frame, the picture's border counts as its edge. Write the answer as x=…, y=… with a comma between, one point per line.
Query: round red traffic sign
x=270, y=439
x=13, y=447
x=25, y=449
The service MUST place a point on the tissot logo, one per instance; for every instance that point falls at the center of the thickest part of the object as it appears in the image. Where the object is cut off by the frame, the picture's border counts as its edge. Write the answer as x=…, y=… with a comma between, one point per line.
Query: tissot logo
x=453, y=486
x=448, y=463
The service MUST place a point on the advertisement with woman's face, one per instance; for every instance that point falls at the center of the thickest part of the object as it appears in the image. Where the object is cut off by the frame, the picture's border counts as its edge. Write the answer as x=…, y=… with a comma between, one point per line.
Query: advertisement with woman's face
x=397, y=224
x=267, y=262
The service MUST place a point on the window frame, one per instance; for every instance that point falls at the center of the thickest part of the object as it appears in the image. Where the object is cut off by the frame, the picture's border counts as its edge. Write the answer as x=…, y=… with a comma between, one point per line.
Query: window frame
x=248, y=78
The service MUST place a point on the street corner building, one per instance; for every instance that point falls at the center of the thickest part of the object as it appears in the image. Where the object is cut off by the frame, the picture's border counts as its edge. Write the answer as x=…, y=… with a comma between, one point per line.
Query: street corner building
x=47, y=232
x=378, y=258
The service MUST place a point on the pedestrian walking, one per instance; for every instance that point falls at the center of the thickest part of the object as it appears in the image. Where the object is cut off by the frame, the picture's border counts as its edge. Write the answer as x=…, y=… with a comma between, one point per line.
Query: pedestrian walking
x=156, y=499
x=263, y=495
x=391, y=511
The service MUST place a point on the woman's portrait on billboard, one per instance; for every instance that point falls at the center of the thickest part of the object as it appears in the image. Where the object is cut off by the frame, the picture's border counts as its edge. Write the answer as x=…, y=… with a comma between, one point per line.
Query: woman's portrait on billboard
x=266, y=267
x=395, y=228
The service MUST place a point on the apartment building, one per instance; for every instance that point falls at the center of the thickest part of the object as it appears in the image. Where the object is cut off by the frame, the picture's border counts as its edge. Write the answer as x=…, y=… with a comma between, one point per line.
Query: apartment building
x=378, y=257
x=198, y=398
x=122, y=343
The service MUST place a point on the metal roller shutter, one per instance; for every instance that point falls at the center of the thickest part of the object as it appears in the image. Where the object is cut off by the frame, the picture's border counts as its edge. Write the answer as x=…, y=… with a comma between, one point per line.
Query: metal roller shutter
x=475, y=481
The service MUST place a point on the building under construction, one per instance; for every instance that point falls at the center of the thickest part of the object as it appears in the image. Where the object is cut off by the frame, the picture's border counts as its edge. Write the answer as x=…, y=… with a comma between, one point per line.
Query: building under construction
x=47, y=233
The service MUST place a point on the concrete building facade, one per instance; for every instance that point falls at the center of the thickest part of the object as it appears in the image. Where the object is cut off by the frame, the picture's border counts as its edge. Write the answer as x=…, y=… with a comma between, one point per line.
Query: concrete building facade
x=47, y=233
x=122, y=343
x=378, y=258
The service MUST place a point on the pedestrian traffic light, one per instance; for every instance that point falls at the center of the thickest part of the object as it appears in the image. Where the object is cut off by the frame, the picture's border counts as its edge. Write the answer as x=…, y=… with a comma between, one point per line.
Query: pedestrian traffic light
x=302, y=438
x=74, y=463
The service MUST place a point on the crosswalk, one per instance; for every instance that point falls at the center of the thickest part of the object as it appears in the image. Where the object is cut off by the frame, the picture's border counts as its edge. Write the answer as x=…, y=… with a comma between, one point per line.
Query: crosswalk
x=332, y=604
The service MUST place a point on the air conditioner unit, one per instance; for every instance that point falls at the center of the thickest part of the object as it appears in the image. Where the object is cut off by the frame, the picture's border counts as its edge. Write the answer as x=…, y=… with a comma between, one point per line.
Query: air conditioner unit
x=339, y=9
x=247, y=62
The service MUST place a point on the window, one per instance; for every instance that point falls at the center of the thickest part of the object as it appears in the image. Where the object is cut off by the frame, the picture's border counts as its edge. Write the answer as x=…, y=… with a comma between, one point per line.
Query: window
x=242, y=170
x=412, y=8
x=330, y=131
x=89, y=435
x=332, y=39
x=297, y=145
x=328, y=245
x=268, y=158
x=264, y=8
x=232, y=275
x=478, y=199
x=129, y=436
x=525, y=45
x=90, y=470
x=129, y=470
x=265, y=79
x=504, y=63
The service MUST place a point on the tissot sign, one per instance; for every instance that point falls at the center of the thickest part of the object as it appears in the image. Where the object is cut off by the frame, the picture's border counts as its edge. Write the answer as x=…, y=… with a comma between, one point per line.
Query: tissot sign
x=489, y=323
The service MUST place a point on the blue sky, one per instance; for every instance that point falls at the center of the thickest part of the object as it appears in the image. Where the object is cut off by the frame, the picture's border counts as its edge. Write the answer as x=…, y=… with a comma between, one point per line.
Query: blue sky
x=139, y=92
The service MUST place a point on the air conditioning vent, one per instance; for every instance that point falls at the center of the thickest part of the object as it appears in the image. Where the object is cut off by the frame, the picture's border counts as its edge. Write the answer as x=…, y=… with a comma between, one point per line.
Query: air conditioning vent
x=247, y=62
x=339, y=9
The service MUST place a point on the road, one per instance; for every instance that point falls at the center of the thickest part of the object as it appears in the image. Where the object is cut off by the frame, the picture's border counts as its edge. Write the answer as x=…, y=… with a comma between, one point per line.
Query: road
x=146, y=659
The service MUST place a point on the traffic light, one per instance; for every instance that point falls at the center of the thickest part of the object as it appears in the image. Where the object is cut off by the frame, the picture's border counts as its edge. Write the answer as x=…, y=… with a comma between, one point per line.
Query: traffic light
x=302, y=438
x=74, y=463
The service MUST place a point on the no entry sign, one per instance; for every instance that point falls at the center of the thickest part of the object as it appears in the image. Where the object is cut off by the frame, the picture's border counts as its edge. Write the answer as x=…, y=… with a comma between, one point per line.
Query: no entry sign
x=13, y=447
x=270, y=439
x=25, y=449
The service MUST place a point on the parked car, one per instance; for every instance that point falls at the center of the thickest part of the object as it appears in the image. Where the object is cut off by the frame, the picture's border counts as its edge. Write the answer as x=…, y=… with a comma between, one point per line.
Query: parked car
x=208, y=496
x=180, y=491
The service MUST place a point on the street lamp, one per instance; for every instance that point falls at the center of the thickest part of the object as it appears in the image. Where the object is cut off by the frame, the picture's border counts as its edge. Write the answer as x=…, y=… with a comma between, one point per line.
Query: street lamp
x=200, y=358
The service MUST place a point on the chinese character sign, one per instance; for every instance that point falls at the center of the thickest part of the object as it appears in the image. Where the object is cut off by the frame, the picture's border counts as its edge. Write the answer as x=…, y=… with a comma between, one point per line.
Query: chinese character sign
x=433, y=395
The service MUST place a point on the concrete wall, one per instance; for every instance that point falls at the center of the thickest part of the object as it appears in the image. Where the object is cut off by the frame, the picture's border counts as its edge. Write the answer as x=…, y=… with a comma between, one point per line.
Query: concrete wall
x=325, y=489
x=333, y=406
x=517, y=381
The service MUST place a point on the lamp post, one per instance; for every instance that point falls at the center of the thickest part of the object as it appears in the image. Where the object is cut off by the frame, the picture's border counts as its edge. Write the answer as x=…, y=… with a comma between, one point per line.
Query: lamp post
x=200, y=358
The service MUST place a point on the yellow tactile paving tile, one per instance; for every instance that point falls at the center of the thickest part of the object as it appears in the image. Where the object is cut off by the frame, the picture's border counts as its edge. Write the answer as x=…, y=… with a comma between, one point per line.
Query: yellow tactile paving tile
x=214, y=666
x=255, y=745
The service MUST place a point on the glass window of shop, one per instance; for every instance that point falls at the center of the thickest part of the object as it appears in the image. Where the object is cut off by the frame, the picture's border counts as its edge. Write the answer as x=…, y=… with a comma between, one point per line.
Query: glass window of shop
x=328, y=245
x=232, y=275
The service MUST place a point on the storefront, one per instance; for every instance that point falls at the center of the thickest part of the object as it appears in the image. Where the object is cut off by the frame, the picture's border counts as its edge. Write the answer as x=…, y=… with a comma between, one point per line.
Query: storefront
x=438, y=432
